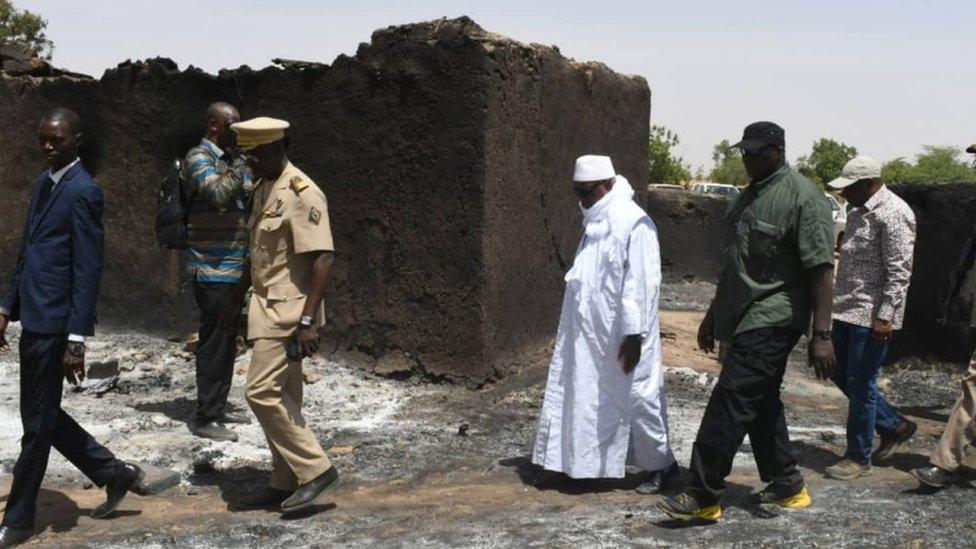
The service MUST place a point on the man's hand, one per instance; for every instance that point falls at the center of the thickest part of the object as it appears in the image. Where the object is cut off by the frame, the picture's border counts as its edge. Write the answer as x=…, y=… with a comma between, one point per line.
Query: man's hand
x=308, y=340
x=630, y=353
x=821, y=357
x=881, y=332
x=4, y=346
x=74, y=367
x=706, y=333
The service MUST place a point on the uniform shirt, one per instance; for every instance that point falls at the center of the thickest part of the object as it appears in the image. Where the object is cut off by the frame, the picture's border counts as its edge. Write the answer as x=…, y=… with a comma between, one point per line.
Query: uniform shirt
x=290, y=218
x=875, y=261
x=217, y=220
x=776, y=231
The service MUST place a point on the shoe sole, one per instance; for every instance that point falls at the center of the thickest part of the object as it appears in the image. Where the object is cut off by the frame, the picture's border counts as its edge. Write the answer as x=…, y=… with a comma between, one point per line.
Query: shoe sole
x=218, y=439
x=927, y=483
x=854, y=477
x=707, y=514
x=312, y=501
x=105, y=513
x=800, y=500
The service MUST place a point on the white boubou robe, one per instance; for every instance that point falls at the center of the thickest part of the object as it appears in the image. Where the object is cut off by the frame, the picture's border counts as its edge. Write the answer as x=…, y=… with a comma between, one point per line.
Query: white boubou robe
x=595, y=419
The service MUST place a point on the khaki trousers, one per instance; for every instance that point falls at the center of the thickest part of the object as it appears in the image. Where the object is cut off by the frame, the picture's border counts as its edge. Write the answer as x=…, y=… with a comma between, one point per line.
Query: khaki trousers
x=274, y=392
x=960, y=431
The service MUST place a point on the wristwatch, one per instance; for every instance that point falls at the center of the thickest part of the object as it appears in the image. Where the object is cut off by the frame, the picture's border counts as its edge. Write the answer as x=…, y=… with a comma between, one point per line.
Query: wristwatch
x=825, y=335
x=305, y=322
x=76, y=348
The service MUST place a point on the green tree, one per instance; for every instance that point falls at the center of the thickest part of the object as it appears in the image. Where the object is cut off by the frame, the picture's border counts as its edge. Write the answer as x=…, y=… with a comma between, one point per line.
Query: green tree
x=728, y=167
x=898, y=170
x=934, y=165
x=825, y=161
x=24, y=27
x=665, y=166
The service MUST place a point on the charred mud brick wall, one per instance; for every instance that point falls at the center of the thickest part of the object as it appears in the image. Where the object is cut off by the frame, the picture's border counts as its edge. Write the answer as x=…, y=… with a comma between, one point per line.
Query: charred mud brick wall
x=945, y=216
x=690, y=232
x=440, y=148
x=544, y=112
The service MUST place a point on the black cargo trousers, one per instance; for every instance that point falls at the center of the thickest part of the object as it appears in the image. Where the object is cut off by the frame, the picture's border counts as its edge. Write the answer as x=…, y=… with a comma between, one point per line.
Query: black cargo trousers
x=746, y=401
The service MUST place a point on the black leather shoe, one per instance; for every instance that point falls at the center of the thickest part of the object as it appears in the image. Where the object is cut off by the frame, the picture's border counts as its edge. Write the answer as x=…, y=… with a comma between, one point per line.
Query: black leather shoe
x=933, y=476
x=117, y=488
x=307, y=493
x=268, y=498
x=658, y=480
x=10, y=537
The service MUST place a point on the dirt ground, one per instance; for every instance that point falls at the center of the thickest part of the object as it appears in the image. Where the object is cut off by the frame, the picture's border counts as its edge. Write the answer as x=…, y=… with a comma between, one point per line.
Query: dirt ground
x=434, y=465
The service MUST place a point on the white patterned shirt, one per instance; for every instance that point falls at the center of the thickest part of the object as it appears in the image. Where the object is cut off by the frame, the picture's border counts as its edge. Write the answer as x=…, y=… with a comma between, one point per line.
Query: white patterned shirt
x=875, y=261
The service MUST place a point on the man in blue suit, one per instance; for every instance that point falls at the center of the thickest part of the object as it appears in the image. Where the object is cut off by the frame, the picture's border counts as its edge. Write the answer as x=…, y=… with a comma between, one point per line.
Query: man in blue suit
x=53, y=293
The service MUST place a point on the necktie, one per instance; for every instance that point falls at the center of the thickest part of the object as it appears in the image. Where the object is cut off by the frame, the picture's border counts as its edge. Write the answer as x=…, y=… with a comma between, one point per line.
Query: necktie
x=46, y=189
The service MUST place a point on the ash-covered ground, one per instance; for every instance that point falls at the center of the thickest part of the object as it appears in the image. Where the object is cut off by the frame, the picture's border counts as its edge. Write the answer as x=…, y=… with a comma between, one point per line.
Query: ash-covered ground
x=442, y=465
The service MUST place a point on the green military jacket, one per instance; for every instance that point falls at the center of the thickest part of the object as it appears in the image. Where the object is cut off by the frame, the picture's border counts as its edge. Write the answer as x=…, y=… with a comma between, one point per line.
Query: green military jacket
x=776, y=231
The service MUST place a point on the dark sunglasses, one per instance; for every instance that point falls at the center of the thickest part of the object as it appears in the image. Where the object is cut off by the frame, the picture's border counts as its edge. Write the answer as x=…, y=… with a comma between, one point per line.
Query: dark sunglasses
x=584, y=192
x=757, y=152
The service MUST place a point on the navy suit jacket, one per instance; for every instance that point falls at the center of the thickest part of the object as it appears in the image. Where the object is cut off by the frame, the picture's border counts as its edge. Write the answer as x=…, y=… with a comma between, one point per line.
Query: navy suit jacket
x=55, y=282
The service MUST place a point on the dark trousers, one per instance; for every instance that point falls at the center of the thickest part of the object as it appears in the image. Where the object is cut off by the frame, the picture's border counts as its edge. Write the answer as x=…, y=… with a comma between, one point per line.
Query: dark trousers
x=856, y=374
x=746, y=401
x=45, y=425
x=215, y=352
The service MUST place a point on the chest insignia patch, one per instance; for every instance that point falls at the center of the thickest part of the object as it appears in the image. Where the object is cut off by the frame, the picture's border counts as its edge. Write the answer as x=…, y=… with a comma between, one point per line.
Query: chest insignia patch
x=298, y=184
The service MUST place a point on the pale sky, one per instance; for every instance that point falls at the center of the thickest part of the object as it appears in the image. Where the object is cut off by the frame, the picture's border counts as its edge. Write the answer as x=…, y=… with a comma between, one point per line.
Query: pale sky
x=884, y=76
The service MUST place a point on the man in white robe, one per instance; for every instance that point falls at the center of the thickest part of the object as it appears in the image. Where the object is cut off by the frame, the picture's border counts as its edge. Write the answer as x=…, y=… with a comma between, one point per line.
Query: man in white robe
x=604, y=407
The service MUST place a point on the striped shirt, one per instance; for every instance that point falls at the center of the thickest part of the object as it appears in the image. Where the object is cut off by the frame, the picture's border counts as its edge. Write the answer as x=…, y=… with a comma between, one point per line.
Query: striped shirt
x=217, y=226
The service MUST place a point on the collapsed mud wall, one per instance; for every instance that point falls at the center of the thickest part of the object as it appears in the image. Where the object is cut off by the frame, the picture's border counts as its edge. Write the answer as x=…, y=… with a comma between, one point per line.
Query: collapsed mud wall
x=406, y=138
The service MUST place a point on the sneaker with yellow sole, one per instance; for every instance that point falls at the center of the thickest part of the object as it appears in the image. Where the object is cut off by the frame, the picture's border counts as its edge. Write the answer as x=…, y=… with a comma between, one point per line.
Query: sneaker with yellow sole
x=772, y=495
x=686, y=507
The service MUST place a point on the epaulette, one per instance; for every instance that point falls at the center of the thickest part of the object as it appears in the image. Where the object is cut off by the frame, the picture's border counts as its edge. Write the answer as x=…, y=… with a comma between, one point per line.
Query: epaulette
x=298, y=184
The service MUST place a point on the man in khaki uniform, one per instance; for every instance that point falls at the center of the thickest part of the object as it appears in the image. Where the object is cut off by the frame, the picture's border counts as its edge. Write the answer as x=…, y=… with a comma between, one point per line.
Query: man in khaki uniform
x=960, y=430
x=291, y=255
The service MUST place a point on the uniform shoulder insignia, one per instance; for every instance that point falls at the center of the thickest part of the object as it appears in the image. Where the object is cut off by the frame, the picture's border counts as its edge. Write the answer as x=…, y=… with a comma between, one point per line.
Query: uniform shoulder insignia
x=298, y=184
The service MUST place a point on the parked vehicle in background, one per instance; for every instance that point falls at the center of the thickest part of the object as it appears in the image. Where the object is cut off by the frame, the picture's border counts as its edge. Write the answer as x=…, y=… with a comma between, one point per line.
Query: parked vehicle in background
x=664, y=187
x=839, y=212
x=721, y=189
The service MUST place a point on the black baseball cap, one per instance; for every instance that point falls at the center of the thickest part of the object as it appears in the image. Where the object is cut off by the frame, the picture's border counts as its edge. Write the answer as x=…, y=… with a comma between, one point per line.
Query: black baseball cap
x=760, y=134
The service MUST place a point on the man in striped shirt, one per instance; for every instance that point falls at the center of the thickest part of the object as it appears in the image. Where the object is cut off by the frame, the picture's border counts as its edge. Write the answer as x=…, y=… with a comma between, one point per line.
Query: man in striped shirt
x=220, y=187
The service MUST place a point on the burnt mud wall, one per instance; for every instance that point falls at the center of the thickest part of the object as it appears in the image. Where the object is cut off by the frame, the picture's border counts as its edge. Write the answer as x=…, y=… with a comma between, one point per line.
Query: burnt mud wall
x=945, y=215
x=544, y=112
x=392, y=135
x=690, y=232
x=396, y=136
